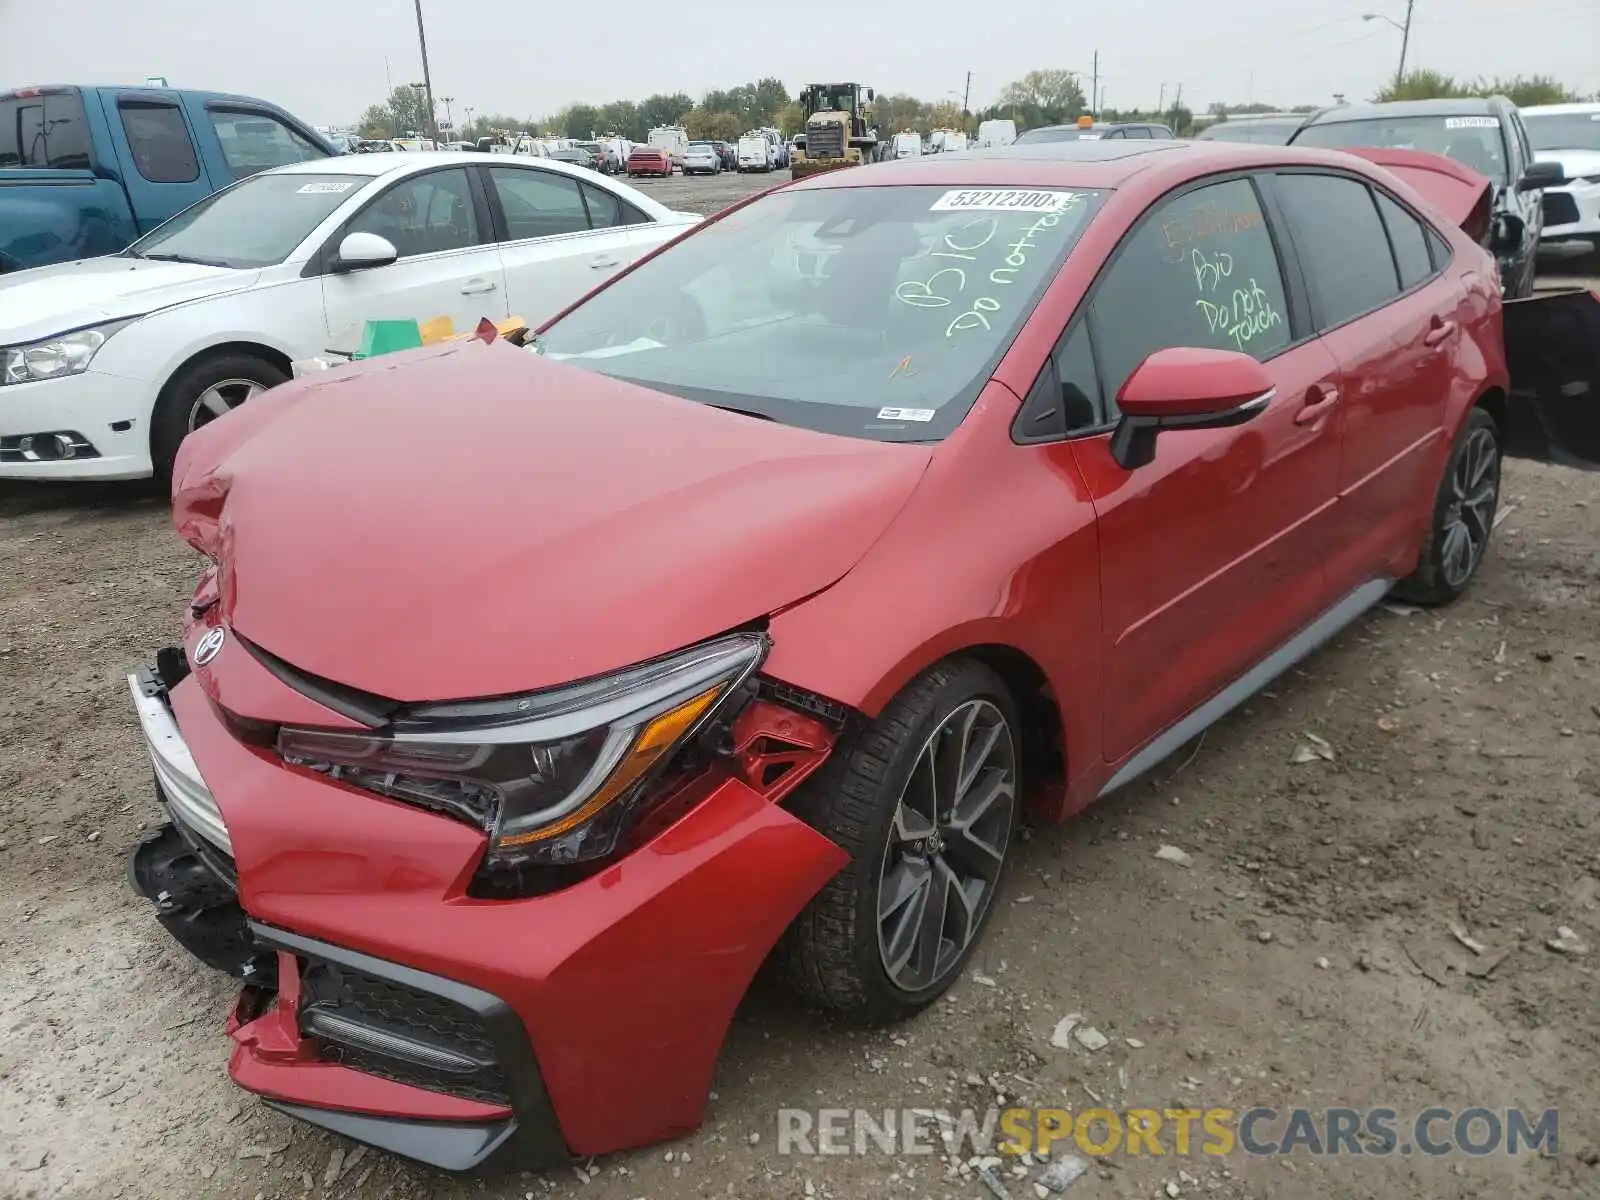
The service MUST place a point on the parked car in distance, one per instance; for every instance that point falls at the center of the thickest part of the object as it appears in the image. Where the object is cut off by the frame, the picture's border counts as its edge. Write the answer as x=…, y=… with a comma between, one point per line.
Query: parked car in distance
x=602, y=161
x=701, y=158
x=109, y=363
x=648, y=160
x=577, y=156
x=755, y=153
x=85, y=170
x=1092, y=131
x=999, y=132
x=609, y=707
x=1265, y=129
x=1569, y=135
x=1485, y=134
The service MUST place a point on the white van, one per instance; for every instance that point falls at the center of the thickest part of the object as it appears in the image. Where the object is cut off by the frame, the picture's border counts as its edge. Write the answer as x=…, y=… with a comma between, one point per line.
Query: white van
x=674, y=139
x=755, y=153
x=908, y=145
x=997, y=133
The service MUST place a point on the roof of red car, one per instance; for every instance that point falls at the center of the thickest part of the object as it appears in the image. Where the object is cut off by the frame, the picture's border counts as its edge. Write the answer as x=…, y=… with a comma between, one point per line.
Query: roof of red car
x=1071, y=164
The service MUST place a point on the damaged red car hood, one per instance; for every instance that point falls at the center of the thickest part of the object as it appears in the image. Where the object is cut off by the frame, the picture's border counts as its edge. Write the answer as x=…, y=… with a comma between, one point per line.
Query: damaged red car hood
x=473, y=520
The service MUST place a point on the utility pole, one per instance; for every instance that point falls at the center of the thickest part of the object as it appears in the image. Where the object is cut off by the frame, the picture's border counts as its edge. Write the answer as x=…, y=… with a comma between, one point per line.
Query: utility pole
x=1094, y=84
x=1161, y=104
x=1405, y=41
x=394, y=113
x=966, y=95
x=1177, y=103
x=427, y=79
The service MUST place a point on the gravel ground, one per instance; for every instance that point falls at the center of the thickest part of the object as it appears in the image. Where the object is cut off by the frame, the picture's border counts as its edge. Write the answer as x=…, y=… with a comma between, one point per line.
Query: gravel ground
x=1304, y=956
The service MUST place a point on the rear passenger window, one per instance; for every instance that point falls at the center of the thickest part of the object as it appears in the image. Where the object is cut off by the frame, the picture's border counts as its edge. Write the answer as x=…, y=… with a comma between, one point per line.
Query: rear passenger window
x=606, y=209
x=538, y=203
x=159, y=138
x=1341, y=243
x=1410, y=242
x=1200, y=271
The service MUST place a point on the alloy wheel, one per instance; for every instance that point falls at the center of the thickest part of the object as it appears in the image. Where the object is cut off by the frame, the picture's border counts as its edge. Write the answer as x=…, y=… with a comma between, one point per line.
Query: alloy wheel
x=221, y=398
x=1469, y=516
x=947, y=843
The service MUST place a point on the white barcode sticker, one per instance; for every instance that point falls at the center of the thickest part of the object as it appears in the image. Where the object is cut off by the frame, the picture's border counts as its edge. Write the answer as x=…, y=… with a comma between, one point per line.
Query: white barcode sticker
x=906, y=414
x=1002, y=200
x=1471, y=123
x=324, y=189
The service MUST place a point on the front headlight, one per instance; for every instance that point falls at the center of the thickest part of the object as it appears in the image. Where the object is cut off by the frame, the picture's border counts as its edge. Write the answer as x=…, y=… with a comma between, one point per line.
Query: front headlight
x=553, y=777
x=67, y=354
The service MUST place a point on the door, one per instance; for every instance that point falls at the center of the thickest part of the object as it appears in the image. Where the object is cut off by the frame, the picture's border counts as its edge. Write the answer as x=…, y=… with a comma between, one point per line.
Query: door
x=562, y=238
x=161, y=167
x=1553, y=352
x=1211, y=556
x=1392, y=318
x=252, y=141
x=448, y=265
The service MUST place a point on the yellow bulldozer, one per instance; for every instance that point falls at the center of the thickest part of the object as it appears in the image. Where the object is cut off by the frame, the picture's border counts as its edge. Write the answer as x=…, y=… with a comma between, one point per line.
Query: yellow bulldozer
x=839, y=129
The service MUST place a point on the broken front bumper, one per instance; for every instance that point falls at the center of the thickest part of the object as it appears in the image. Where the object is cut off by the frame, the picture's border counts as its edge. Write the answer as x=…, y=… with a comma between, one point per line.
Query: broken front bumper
x=387, y=1005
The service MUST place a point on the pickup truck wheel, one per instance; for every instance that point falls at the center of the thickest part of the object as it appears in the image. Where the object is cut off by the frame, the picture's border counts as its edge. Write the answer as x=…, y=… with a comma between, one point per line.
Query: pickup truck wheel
x=925, y=800
x=199, y=394
x=1463, y=516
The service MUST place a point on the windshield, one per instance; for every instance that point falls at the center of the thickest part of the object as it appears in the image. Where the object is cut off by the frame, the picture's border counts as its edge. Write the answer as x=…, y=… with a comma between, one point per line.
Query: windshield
x=256, y=223
x=1563, y=131
x=1474, y=142
x=874, y=312
x=1058, y=133
x=1273, y=133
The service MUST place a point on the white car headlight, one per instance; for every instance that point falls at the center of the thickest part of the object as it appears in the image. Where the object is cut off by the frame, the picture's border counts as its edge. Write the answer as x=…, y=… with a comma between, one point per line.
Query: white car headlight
x=52, y=358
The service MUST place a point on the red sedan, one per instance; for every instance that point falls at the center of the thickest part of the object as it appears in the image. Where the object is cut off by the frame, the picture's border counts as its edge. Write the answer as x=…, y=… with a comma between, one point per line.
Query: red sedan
x=646, y=160
x=532, y=698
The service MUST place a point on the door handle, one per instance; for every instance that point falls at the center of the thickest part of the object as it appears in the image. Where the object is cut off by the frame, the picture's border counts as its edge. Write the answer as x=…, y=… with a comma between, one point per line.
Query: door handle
x=1439, y=332
x=1313, y=411
x=601, y=261
x=476, y=287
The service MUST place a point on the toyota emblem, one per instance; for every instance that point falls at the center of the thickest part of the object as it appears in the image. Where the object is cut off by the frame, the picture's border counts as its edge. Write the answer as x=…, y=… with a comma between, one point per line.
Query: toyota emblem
x=208, y=647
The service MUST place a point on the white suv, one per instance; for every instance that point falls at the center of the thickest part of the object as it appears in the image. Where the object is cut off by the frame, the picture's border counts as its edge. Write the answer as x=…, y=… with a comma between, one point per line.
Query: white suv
x=1569, y=134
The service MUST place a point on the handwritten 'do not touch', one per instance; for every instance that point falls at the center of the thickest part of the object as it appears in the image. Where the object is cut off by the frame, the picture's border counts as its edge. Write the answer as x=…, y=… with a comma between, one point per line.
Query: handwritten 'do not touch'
x=1249, y=315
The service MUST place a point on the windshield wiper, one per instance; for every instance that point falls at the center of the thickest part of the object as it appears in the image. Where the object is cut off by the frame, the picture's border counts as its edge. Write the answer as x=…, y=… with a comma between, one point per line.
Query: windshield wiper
x=743, y=412
x=185, y=258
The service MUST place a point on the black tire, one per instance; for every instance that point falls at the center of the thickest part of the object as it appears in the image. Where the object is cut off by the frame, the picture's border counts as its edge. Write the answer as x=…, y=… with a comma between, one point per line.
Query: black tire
x=1465, y=505
x=176, y=409
x=833, y=953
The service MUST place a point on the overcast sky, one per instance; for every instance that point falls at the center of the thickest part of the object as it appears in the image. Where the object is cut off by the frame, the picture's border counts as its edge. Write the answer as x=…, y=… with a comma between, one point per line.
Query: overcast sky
x=324, y=59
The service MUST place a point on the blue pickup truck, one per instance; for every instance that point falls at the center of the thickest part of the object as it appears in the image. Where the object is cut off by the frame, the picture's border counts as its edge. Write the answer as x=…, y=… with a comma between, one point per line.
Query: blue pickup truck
x=86, y=170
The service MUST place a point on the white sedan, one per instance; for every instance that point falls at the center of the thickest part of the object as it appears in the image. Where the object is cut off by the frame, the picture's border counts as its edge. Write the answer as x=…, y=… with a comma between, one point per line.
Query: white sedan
x=106, y=364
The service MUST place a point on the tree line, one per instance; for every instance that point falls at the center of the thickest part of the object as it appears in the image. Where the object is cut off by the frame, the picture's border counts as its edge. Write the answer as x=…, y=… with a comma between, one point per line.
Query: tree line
x=1043, y=97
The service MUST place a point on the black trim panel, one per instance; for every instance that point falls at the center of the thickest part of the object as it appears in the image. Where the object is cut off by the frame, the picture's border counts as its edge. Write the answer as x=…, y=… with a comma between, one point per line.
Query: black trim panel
x=538, y=1142
x=446, y=1145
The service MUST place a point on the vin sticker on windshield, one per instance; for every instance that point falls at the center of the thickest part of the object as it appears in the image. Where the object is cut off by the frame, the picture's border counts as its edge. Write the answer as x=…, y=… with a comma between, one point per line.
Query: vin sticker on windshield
x=1471, y=123
x=1001, y=200
x=323, y=189
x=905, y=414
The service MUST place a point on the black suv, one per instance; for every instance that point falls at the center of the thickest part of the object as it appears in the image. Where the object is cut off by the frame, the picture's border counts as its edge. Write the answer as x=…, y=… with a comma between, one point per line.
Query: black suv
x=1093, y=133
x=1485, y=134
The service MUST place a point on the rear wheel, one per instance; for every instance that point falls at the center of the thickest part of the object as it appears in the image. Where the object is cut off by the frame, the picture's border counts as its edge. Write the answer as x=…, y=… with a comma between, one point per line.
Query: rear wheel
x=199, y=394
x=1463, y=516
x=925, y=800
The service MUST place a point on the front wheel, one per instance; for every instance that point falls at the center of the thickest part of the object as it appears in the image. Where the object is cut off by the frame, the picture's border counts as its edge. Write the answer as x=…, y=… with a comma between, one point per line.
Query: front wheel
x=199, y=394
x=925, y=800
x=1463, y=516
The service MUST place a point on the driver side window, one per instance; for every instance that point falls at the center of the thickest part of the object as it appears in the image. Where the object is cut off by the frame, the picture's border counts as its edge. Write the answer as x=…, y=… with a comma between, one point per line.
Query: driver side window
x=424, y=215
x=1200, y=271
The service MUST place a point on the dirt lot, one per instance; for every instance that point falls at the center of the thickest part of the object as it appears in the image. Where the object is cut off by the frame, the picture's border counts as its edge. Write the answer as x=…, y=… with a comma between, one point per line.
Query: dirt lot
x=1305, y=957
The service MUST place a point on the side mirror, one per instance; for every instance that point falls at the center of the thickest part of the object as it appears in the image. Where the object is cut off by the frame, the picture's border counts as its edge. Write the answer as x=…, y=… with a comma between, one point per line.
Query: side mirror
x=1541, y=175
x=1506, y=233
x=359, y=251
x=1185, y=388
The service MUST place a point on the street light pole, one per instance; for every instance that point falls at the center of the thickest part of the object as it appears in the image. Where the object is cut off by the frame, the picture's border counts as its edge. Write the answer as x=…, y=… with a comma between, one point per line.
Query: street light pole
x=449, y=118
x=1405, y=39
x=427, y=79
